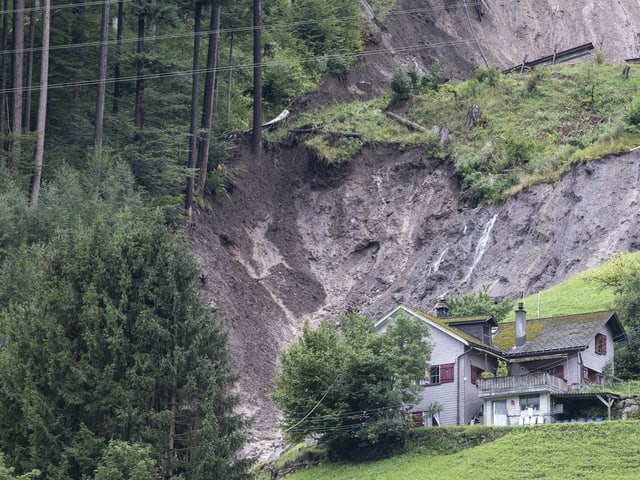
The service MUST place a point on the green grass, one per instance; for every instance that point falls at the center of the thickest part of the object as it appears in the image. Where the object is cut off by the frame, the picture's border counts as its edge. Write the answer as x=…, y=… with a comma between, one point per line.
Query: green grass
x=593, y=451
x=575, y=295
x=533, y=126
x=582, y=293
x=333, y=146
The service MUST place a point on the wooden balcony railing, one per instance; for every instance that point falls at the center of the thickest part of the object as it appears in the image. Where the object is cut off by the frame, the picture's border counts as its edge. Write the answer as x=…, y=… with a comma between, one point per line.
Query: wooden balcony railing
x=532, y=382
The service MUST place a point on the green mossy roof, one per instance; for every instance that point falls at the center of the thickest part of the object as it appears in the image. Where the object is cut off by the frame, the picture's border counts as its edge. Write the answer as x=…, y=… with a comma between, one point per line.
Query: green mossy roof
x=571, y=332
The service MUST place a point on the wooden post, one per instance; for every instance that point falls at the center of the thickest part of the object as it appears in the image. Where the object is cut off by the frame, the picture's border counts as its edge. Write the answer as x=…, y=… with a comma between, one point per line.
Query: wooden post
x=625, y=72
x=523, y=62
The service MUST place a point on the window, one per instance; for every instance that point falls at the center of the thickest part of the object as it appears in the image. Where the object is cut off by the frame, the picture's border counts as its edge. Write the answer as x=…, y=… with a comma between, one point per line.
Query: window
x=530, y=401
x=440, y=374
x=475, y=374
x=557, y=371
x=434, y=374
x=601, y=344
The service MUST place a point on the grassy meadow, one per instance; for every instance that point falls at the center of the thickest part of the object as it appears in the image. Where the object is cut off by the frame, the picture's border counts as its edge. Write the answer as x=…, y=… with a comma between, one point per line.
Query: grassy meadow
x=590, y=291
x=579, y=451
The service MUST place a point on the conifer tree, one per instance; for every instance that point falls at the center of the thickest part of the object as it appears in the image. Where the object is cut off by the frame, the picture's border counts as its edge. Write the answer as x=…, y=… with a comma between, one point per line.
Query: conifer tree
x=110, y=339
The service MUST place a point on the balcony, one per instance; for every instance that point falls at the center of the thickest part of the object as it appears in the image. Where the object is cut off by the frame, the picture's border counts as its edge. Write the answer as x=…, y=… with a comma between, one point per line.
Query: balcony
x=521, y=384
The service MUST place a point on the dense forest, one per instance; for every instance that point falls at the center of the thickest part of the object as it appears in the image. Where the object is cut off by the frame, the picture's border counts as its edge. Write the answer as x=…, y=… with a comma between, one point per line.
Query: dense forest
x=160, y=83
x=116, y=115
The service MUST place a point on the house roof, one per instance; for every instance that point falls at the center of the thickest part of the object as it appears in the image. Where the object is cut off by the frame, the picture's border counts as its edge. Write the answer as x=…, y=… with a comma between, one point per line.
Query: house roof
x=544, y=335
x=488, y=319
x=446, y=325
x=554, y=334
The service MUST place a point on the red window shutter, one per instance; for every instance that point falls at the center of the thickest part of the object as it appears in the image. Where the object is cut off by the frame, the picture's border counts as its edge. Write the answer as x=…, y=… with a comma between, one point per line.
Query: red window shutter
x=417, y=419
x=474, y=375
x=559, y=371
x=603, y=343
x=446, y=373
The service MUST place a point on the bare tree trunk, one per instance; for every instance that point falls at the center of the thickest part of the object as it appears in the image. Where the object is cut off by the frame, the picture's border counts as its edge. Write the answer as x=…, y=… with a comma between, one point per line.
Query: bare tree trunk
x=98, y=133
x=18, y=83
x=256, y=137
x=32, y=40
x=4, y=82
x=139, y=92
x=116, y=67
x=230, y=78
x=195, y=93
x=171, y=450
x=208, y=103
x=42, y=104
x=139, y=79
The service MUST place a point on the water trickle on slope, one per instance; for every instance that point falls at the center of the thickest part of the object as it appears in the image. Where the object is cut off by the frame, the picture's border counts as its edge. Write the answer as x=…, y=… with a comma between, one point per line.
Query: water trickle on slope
x=481, y=247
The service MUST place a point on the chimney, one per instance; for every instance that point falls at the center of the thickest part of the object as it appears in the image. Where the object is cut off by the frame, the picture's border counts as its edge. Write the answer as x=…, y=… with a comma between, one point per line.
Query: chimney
x=442, y=310
x=521, y=325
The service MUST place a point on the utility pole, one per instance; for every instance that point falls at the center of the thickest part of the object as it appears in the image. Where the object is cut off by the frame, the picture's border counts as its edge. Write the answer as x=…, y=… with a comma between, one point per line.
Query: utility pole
x=256, y=138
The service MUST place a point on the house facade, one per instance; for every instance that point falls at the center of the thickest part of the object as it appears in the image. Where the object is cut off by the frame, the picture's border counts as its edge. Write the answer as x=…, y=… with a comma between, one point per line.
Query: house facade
x=549, y=363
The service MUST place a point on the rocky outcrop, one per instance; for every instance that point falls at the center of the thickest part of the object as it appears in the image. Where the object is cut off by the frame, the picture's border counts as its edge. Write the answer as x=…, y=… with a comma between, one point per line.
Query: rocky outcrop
x=627, y=408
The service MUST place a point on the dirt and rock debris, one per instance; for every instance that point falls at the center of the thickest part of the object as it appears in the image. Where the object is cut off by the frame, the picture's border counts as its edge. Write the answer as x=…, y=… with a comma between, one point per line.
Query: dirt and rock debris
x=298, y=241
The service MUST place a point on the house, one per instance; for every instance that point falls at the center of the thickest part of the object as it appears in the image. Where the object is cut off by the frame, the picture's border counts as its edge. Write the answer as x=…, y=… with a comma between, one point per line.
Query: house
x=548, y=362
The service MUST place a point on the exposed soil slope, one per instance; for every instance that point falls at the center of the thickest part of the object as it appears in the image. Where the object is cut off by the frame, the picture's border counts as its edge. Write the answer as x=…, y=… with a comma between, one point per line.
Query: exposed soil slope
x=421, y=34
x=296, y=241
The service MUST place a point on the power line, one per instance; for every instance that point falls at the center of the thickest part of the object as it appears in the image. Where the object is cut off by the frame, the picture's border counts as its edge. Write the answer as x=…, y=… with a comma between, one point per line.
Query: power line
x=59, y=7
x=246, y=66
x=240, y=29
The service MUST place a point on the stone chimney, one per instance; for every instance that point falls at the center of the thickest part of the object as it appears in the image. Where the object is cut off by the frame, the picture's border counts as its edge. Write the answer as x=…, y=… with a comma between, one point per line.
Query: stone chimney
x=442, y=310
x=521, y=325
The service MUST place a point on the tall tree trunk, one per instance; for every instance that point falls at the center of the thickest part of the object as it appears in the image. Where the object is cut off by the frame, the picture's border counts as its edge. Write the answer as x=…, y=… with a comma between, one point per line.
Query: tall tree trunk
x=42, y=104
x=116, y=67
x=195, y=93
x=173, y=406
x=139, y=92
x=230, y=78
x=256, y=137
x=32, y=40
x=208, y=103
x=17, y=86
x=102, y=77
x=4, y=82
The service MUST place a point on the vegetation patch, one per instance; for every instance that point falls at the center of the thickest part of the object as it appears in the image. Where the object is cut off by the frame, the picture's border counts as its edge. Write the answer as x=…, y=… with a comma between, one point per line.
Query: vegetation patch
x=506, y=132
x=589, y=451
x=338, y=133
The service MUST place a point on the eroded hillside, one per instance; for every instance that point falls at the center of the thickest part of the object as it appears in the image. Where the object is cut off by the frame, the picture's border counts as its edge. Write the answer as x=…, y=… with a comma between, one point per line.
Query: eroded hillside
x=298, y=241
x=453, y=36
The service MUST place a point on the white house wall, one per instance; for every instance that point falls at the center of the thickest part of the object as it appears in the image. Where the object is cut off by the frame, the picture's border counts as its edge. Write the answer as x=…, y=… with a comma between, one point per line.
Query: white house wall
x=445, y=350
x=595, y=361
x=573, y=372
x=472, y=403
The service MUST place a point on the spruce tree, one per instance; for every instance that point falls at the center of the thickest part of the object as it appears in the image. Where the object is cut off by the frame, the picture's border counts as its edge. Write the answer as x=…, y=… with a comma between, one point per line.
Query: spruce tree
x=110, y=339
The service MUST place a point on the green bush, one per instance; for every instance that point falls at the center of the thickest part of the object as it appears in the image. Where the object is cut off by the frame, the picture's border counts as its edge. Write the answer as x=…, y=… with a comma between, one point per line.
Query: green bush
x=402, y=85
x=490, y=75
x=632, y=116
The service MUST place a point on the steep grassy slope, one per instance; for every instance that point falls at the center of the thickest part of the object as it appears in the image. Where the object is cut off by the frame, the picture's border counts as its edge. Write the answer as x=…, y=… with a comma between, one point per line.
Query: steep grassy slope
x=530, y=128
x=592, y=451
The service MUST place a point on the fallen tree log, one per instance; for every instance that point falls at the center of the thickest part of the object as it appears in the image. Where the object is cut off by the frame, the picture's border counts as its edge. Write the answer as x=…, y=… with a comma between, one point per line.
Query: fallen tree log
x=407, y=123
x=314, y=130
